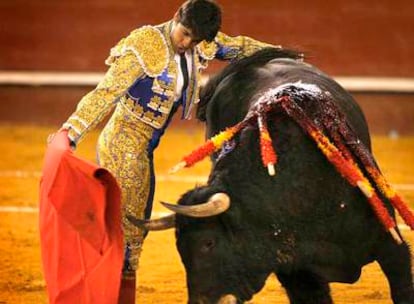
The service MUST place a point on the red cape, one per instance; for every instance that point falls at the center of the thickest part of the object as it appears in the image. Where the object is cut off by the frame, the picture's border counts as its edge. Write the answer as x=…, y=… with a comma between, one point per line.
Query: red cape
x=80, y=228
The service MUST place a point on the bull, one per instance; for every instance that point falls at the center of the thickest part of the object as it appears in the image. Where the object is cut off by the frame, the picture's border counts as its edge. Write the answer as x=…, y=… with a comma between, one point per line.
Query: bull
x=306, y=224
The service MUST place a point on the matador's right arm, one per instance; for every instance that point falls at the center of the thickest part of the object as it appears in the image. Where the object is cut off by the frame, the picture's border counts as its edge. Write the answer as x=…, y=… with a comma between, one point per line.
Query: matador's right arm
x=95, y=105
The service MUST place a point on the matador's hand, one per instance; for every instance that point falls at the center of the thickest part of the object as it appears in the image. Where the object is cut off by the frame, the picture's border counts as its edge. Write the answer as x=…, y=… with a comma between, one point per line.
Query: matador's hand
x=50, y=138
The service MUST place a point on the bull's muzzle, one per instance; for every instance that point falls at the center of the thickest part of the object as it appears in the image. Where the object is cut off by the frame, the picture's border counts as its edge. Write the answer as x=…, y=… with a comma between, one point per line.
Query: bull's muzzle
x=227, y=299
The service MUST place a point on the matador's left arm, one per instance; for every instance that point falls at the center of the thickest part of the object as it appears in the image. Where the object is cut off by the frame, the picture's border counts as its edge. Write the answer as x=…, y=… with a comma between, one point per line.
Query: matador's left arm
x=225, y=47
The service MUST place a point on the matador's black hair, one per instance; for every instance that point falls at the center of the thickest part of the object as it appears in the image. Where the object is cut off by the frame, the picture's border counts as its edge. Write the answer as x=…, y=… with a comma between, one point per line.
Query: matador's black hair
x=203, y=17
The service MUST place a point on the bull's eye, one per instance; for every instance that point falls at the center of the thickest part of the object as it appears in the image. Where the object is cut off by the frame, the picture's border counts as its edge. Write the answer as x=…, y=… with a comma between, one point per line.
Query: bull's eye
x=207, y=245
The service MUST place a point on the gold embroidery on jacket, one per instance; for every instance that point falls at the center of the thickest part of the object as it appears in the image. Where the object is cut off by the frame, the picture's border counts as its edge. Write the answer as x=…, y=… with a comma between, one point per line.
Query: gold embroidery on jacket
x=207, y=50
x=161, y=87
x=95, y=105
x=155, y=102
x=240, y=46
x=138, y=111
x=149, y=46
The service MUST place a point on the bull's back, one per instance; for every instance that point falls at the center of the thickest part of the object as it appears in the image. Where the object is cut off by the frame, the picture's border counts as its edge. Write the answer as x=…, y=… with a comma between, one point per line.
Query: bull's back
x=282, y=71
x=307, y=191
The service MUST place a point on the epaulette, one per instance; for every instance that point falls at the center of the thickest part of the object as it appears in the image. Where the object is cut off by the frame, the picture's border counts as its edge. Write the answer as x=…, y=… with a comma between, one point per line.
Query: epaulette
x=149, y=46
x=207, y=50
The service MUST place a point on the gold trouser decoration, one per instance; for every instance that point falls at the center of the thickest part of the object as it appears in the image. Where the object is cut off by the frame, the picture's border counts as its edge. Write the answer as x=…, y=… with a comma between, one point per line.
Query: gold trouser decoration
x=122, y=149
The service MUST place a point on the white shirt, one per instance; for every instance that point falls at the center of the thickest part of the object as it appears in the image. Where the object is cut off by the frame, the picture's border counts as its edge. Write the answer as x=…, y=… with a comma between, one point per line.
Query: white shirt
x=180, y=78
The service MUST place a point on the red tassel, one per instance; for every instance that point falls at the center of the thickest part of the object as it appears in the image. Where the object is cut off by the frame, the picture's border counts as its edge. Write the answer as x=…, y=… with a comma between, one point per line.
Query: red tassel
x=201, y=152
x=403, y=210
x=347, y=168
x=269, y=157
x=268, y=154
x=381, y=212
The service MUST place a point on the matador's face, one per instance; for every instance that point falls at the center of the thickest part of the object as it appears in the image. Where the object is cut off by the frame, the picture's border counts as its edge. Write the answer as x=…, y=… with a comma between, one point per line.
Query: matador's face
x=182, y=38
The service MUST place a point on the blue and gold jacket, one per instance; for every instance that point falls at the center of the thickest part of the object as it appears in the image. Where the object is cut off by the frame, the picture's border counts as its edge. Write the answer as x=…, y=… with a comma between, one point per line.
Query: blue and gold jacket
x=142, y=77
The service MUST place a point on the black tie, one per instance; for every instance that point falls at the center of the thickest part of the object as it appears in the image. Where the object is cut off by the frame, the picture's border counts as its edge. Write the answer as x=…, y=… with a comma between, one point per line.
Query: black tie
x=184, y=70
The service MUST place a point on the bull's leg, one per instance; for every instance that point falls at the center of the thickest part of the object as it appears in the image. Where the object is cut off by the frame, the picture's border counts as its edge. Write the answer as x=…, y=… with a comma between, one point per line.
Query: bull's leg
x=395, y=261
x=304, y=287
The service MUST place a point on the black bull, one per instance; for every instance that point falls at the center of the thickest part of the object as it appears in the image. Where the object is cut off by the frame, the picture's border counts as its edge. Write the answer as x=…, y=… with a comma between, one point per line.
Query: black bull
x=306, y=224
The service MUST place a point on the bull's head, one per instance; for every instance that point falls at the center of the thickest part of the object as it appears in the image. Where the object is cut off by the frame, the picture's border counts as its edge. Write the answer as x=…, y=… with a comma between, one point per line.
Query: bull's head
x=213, y=252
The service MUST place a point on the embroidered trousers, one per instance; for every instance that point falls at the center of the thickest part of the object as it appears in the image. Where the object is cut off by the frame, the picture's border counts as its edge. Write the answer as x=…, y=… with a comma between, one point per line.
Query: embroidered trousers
x=123, y=150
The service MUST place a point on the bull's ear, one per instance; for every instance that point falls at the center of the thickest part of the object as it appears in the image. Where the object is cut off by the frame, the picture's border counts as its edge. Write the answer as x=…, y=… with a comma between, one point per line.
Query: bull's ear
x=216, y=204
x=162, y=223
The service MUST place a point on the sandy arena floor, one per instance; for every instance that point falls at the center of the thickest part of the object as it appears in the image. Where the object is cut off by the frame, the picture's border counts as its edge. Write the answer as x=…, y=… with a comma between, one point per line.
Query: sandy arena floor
x=161, y=276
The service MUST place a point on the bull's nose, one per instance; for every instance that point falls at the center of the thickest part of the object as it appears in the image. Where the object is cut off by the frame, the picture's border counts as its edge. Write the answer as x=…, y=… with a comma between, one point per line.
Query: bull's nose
x=228, y=299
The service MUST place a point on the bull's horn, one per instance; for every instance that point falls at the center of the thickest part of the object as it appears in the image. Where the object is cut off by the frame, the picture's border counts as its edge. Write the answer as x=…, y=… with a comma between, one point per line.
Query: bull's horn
x=162, y=223
x=227, y=299
x=216, y=204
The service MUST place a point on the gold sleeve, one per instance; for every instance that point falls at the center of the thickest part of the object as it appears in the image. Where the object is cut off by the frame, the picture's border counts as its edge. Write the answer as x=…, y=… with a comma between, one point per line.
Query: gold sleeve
x=238, y=47
x=95, y=105
x=149, y=46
